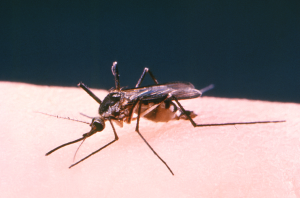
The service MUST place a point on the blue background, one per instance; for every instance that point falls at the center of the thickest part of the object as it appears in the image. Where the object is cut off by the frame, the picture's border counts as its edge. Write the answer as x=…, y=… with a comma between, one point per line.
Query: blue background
x=248, y=49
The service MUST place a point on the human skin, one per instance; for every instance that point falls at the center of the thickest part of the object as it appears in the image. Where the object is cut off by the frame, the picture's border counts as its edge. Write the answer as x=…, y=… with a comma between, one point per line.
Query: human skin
x=259, y=160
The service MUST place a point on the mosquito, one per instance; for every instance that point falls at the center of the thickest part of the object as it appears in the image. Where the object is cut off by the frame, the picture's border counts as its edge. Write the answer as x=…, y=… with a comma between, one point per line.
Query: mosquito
x=158, y=103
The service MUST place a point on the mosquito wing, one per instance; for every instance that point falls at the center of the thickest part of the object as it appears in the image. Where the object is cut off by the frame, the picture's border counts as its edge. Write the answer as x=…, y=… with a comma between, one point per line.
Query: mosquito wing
x=156, y=93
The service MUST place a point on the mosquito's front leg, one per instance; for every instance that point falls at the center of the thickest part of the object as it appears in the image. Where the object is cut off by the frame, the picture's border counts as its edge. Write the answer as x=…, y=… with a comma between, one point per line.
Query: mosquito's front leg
x=87, y=90
x=116, y=138
x=137, y=130
x=146, y=70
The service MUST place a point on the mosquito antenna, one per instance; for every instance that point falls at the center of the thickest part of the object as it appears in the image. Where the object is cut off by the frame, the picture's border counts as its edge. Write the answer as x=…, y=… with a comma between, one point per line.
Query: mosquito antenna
x=67, y=118
x=115, y=72
x=78, y=149
x=205, y=89
x=87, y=90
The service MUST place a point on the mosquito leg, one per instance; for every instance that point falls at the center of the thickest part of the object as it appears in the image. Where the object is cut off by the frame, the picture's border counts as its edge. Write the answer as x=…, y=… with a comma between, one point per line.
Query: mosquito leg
x=63, y=145
x=219, y=124
x=137, y=130
x=146, y=70
x=116, y=138
x=131, y=112
x=115, y=72
x=87, y=90
x=146, y=111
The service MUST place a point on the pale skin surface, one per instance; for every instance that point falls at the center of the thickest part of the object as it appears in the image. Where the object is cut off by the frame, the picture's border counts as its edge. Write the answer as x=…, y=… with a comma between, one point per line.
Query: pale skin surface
x=261, y=160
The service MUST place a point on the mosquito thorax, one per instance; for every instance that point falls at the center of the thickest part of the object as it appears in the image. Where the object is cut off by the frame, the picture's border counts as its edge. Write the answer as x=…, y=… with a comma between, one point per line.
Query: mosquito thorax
x=110, y=104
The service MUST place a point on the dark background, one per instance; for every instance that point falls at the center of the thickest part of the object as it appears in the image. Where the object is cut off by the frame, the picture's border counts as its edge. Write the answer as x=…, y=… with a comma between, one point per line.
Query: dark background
x=248, y=49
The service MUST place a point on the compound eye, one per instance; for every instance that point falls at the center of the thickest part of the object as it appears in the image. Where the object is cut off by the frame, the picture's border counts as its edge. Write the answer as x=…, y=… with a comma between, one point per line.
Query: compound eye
x=98, y=124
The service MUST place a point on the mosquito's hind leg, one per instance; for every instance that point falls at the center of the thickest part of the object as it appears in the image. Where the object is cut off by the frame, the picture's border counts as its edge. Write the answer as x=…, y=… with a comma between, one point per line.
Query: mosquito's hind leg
x=218, y=124
x=146, y=70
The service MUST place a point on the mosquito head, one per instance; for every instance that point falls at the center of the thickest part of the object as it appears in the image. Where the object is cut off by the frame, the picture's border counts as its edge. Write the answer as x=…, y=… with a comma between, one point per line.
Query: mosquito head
x=98, y=124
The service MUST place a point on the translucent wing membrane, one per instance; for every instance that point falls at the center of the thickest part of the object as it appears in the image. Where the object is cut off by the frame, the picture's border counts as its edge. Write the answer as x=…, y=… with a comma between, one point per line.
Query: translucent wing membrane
x=180, y=90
